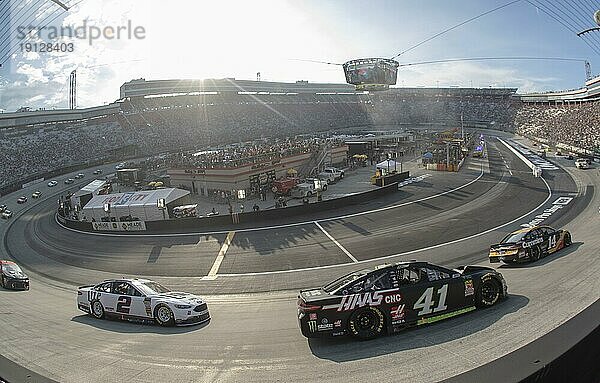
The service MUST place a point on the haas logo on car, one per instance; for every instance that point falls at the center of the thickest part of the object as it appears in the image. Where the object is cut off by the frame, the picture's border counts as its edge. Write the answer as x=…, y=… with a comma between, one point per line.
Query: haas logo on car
x=350, y=302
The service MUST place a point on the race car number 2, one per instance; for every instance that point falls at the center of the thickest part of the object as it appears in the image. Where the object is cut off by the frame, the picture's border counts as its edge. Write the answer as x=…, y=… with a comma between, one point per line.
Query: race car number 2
x=123, y=304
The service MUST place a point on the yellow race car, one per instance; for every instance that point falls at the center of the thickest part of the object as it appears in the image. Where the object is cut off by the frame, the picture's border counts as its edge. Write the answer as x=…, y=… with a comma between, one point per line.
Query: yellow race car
x=529, y=244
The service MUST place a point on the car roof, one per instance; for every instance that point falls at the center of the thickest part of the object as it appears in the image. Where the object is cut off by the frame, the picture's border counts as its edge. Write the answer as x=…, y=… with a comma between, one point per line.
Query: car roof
x=528, y=229
x=134, y=281
x=402, y=263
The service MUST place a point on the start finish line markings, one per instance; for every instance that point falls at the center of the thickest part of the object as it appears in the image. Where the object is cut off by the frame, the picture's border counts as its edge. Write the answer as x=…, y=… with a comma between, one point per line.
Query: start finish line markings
x=212, y=274
x=336, y=243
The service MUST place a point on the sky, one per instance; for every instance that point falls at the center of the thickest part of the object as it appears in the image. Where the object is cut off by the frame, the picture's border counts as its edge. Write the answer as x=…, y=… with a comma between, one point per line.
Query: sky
x=279, y=38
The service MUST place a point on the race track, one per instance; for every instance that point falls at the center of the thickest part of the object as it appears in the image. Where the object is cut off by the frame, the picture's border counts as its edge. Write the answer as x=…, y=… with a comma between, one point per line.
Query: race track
x=448, y=219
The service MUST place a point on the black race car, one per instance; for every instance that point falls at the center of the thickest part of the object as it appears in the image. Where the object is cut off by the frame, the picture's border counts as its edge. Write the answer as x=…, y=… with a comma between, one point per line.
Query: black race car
x=529, y=244
x=389, y=298
x=12, y=277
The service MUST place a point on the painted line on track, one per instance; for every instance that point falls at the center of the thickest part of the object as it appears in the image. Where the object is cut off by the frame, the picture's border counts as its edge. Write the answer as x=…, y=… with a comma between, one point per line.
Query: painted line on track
x=278, y=226
x=336, y=243
x=212, y=274
x=316, y=268
x=401, y=254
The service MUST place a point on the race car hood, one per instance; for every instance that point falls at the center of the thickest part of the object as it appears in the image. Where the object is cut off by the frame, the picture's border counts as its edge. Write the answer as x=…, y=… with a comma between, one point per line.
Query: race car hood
x=179, y=297
x=505, y=245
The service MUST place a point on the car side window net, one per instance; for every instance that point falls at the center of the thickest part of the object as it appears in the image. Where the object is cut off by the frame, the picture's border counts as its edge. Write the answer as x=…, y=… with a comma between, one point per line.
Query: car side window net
x=408, y=275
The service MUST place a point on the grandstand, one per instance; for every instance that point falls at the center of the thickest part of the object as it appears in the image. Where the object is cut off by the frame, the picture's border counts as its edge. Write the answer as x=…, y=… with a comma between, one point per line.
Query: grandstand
x=570, y=119
x=180, y=115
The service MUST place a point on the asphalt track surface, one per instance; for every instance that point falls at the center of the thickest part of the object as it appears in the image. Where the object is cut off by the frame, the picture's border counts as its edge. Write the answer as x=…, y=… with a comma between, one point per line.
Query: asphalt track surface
x=253, y=334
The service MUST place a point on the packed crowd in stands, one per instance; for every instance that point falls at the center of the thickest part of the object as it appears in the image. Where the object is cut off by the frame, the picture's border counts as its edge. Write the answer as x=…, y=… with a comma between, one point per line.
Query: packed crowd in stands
x=29, y=151
x=192, y=123
x=572, y=124
x=258, y=151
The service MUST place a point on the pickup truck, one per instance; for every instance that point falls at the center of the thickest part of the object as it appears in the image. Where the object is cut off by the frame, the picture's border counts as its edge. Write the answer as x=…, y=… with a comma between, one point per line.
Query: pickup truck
x=320, y=184
x=308, y=188
x=304, y=189
x=331, y=174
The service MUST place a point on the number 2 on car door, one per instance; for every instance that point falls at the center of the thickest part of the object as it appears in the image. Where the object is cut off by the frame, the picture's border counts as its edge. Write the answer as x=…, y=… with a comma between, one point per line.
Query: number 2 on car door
x=123, y=304
x=425, y=302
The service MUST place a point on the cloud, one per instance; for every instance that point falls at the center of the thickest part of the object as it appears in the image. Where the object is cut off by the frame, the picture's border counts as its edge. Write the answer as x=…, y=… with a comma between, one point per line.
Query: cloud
x=33, y=75
x=472, y=74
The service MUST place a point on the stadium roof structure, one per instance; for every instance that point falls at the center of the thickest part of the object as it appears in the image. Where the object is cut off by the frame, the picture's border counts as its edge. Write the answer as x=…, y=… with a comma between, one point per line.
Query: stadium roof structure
x=138, y=198
x=58, y=115
x=141, y=87
x=590, y=92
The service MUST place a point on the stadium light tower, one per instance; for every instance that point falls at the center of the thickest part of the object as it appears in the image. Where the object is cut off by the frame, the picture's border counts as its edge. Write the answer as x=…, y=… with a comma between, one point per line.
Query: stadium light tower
x=73, y=90
x=588, y=69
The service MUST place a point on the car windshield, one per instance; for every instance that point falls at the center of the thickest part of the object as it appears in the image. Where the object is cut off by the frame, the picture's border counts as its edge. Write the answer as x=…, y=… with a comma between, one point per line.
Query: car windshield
x=11, y=268
x=343, y=281
x=152, y=288
x=514, y=237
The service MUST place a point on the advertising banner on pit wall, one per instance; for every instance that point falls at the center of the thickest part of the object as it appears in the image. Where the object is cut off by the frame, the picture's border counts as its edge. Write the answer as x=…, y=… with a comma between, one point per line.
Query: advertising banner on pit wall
x=119, y=226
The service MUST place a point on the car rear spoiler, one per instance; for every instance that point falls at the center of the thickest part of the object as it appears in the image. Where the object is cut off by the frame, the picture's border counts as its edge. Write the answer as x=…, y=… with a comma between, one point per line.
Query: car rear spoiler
x=322, y=295
x=83, y=287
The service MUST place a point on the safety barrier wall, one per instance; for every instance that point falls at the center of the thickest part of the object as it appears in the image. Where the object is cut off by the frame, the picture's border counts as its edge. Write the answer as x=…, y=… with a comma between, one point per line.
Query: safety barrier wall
x=516, y=152
x=391, y=178
x=18, y=185
x=566, y=354
x=248, y=219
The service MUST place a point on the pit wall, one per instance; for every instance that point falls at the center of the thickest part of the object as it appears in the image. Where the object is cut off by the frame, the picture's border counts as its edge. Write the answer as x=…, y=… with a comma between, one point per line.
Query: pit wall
x=247, y=219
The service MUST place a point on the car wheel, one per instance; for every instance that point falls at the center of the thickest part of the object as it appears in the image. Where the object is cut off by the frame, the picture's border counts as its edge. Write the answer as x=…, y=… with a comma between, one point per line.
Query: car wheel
x=3, y=281
x=324, y=187
x=488, y=293
x=309, y=194
x=164, y=316
x=342, y=175
x=534, y=253
x=568, y=240
x=97, y=310
x=366, y=323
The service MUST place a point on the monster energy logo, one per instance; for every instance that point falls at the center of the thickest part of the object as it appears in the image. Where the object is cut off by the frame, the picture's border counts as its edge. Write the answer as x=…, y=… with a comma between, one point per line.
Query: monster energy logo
x=312, y=325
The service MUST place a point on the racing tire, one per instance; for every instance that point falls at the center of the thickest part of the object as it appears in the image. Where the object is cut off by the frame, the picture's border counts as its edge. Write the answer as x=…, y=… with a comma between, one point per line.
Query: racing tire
x=535, y=253
x=164, y=316
x=324, y=187
x=488, y=293
x=568, y=241
x=3, y=282
x=96, y=309
x=366, y=323
x=309, y=194
x=341, y=175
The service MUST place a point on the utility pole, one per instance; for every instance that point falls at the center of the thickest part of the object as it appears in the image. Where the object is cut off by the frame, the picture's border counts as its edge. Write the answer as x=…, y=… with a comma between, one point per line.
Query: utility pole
x=462, y=127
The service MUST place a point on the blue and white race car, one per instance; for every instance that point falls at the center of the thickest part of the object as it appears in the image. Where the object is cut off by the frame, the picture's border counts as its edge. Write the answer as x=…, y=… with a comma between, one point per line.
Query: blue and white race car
x=141, y=300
